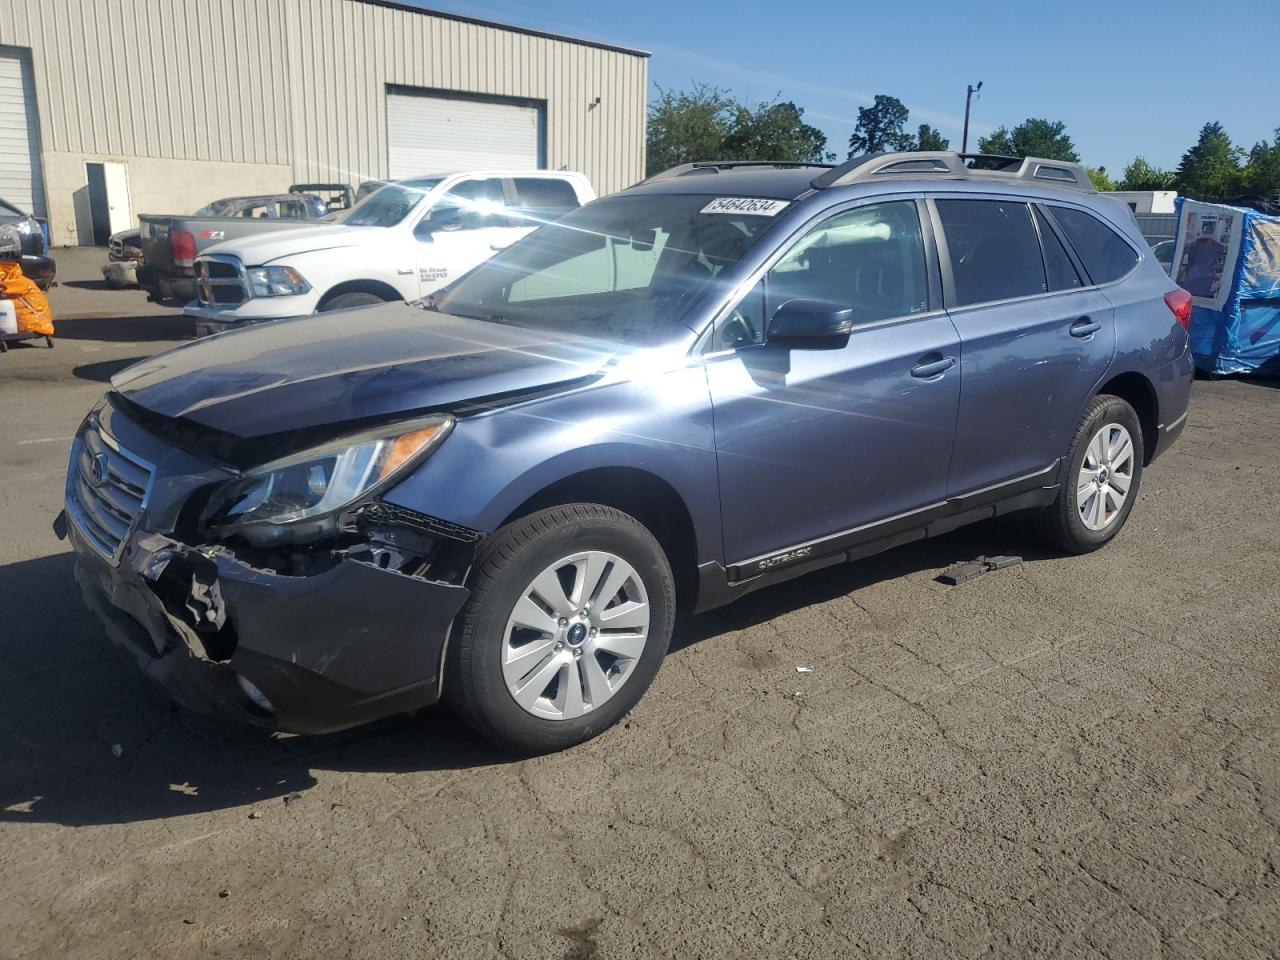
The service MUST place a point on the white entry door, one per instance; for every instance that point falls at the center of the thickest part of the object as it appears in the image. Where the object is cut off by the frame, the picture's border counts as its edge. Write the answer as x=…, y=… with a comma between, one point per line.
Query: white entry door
x=119, y=209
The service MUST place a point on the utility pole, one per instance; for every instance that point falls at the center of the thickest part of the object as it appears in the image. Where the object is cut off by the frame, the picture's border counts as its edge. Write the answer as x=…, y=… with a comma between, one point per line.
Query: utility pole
x=968, y=98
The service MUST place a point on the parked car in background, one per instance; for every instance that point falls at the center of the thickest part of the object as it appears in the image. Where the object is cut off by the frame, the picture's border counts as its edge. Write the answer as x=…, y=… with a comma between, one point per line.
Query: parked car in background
x=170, y=244
x=402, y=241
x=1163, y=252
x=716, y=380
x=37, y=265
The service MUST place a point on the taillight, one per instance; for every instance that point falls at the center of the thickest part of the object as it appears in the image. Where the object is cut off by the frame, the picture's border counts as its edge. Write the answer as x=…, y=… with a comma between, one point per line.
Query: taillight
x=1179, y=301
x=183, y=245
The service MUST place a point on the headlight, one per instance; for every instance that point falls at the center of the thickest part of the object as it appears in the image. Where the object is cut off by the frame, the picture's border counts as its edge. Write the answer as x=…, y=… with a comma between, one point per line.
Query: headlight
x=301, y=497
x=276, y=281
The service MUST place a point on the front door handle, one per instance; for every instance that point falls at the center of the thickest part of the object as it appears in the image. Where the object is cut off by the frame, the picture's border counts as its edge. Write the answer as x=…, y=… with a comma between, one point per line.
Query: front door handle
x=495, y=247
x=1085, y=327
x=927, y=369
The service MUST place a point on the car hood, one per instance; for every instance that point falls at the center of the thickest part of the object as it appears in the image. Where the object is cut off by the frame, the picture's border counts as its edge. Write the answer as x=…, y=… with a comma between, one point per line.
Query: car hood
x=257, y=249
x=329, y=368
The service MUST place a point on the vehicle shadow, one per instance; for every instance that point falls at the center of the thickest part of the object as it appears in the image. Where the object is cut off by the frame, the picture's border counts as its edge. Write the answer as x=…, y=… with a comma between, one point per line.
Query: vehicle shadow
x=126, y=329
x=87, y=740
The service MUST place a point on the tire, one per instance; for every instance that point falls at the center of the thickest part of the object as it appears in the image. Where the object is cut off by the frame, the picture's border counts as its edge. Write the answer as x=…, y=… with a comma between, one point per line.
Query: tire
x=345, y=301
x=487, y=669
x=1071, y=522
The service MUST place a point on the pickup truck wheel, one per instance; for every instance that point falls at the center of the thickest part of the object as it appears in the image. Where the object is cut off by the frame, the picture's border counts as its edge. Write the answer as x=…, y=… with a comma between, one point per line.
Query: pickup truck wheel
x=345, y=301
x=569, y=619
x=1098, y=479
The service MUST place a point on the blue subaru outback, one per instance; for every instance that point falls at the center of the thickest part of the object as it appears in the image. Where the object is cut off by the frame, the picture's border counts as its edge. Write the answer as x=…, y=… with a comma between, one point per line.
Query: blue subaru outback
x=716, y=380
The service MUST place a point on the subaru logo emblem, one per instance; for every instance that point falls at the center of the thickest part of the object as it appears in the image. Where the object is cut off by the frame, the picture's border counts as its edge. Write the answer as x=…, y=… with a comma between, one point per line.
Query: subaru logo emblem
x=98, y=471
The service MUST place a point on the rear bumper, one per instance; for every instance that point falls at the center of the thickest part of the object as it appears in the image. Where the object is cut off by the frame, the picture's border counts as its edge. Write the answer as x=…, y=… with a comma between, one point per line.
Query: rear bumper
x=165, y=287
x=1166, y=436
x=341, y=648
x=1173, y=396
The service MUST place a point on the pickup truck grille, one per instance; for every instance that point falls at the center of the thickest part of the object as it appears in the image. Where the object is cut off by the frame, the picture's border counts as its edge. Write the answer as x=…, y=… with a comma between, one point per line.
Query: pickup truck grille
x=107, y=487
x=220, y=281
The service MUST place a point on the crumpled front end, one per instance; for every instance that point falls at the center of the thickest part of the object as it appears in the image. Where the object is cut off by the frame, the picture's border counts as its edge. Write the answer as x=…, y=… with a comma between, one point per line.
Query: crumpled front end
x=304, y=638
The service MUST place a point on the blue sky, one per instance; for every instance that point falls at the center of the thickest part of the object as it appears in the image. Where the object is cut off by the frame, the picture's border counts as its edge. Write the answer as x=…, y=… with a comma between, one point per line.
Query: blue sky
x=1127, y=78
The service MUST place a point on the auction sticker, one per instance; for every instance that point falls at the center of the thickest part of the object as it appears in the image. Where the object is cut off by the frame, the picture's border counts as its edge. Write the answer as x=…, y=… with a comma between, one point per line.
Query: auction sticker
x=754, y=206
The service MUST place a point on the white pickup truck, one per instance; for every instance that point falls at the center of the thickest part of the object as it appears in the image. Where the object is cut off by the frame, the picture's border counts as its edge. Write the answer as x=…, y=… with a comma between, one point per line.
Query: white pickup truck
x=401, y=242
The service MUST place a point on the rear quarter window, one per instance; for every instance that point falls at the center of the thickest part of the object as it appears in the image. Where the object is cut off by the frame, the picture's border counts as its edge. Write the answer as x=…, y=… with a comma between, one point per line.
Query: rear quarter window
x=1104, y=254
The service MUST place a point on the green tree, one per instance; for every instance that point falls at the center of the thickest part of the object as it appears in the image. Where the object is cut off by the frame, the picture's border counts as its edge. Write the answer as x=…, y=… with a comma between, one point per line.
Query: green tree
x=685, y=126
x=1034, y=137
x=1211, y=169
x=928, y=138
x=706, y=123
x=879, y=127
x=1262, y=176
x=1100, y=179
x=998, y=142
x=1141, y=175
x=774, y=131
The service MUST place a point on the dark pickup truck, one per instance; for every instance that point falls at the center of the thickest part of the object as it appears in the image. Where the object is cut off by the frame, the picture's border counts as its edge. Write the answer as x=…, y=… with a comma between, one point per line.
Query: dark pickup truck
x=171, y=243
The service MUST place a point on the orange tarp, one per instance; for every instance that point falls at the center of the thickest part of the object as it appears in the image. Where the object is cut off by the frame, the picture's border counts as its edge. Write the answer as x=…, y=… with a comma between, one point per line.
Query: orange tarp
x=29, y=303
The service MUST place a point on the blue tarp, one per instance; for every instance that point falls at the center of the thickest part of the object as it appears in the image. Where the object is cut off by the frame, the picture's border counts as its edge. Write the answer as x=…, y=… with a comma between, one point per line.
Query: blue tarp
x=1228, y=258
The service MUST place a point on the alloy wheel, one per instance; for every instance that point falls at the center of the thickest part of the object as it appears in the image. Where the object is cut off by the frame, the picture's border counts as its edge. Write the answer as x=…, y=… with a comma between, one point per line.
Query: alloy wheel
x=1105, y=477
x=575, y=635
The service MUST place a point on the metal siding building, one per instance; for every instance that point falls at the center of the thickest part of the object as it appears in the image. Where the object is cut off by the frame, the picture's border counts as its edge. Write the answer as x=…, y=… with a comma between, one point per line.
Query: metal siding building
x=178, y=103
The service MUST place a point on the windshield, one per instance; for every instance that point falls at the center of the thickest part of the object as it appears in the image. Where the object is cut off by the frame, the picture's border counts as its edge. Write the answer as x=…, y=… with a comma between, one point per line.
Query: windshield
x=386, y=206
x=623, y=268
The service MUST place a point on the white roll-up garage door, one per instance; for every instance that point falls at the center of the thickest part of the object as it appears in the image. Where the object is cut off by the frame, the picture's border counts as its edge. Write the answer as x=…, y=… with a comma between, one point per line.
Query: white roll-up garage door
x=20, y=178
x=436, y=133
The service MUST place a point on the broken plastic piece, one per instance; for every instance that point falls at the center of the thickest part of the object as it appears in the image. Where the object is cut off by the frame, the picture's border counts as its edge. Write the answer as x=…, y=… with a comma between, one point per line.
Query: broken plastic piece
x=804, y=669
x=958, y=573
x=1000, y=562
x=116, y=750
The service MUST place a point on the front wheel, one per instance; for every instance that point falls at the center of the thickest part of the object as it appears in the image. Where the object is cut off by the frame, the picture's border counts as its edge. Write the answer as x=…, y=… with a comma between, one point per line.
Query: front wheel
x=346, y=301
x=570, y=615
x=1098, y=479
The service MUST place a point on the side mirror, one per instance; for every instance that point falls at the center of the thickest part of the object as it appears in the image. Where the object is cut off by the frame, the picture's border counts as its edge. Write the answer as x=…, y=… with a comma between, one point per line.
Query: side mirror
x=810, y=320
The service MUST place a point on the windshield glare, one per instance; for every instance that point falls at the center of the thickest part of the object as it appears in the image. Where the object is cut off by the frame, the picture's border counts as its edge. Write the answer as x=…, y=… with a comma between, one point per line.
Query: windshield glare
x=386, y=206
x=621, y=268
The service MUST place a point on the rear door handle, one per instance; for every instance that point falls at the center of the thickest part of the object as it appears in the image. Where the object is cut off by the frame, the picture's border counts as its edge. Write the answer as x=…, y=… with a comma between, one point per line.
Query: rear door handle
x=932, y=368
x=1085, y=327
x=495, y=247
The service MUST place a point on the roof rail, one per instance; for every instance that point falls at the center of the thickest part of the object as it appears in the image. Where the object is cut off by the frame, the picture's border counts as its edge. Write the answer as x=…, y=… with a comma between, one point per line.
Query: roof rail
x=715, y=166
x=948, y=165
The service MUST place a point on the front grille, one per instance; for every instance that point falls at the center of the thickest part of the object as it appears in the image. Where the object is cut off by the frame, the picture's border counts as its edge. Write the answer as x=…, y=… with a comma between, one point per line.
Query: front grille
x=115, y=249
x=107, y=488
x=220, y=281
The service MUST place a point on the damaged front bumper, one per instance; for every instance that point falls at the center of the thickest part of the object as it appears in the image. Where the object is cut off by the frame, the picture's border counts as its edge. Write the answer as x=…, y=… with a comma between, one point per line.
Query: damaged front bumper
x=304, y=654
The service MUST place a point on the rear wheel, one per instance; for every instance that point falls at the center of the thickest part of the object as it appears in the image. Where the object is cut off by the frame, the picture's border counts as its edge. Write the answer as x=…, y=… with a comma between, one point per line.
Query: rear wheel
x=345, y=301
x=1098, y=479
x=570, y=615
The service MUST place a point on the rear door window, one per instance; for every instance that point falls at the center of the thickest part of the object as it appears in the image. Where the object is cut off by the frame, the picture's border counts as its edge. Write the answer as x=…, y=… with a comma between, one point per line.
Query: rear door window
x=995, y=254
x=1062, y=273
x=543, y=198
x=1105, y=256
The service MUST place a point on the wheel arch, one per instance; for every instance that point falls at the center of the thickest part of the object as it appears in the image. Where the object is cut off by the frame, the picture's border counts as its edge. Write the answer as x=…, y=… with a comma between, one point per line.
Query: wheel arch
x=641, y=494
x=379, y=288
x=1136, y=390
